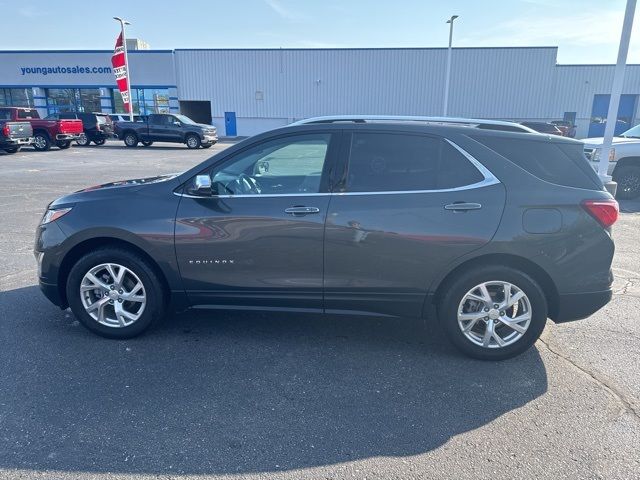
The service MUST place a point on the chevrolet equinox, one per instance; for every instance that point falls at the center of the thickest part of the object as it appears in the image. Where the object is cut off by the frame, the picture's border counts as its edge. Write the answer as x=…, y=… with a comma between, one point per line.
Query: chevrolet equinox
x=485, y=228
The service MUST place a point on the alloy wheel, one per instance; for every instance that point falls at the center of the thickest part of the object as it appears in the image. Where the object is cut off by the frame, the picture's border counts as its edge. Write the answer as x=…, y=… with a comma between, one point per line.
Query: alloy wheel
x=494, y=314
x=40, y=141
x=113, y=295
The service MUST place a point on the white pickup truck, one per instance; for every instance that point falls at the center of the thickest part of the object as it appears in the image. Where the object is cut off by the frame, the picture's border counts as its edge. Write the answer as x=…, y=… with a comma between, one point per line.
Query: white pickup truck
x=624, y=167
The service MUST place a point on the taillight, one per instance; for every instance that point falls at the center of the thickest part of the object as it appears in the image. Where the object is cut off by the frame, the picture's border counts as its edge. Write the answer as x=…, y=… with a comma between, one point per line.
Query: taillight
x=6, y=131
x=604, y=211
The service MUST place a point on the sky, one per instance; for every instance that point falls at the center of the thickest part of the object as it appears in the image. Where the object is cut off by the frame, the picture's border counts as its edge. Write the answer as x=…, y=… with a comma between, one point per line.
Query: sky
x=585, y=31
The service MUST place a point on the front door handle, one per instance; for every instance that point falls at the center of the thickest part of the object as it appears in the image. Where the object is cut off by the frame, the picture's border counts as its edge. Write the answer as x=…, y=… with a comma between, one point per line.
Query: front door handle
x=462, y=206
x=301, y=210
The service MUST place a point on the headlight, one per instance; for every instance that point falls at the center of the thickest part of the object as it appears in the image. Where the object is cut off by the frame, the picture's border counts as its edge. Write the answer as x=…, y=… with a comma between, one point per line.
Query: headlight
x=596, y=155
x=54, y=214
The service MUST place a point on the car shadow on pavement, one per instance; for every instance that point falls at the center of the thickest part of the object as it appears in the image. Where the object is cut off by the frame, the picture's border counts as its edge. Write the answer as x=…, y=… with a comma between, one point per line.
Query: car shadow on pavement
x=629, y=206
x=233, y=393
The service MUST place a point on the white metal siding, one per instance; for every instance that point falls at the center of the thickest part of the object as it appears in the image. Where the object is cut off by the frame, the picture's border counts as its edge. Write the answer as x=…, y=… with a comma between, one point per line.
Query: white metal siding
x=294, y=84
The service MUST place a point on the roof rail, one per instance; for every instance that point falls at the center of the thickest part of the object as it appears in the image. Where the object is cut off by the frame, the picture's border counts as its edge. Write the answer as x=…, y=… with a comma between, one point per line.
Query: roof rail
x=470, y=122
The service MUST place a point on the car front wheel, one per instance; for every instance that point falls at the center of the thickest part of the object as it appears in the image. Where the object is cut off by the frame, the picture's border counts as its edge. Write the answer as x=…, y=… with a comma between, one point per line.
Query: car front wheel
x=193, y=141
x=493, y=312
x=41, y=142
x=628, y=179
x=83, y=140
x=115, y=293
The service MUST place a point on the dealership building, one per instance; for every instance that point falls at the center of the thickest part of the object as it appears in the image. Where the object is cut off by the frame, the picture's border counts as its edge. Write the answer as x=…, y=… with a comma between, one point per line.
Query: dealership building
x=245, y=91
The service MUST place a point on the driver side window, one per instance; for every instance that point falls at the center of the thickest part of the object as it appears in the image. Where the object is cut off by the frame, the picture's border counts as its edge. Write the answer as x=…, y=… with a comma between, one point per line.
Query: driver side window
x=290, y=165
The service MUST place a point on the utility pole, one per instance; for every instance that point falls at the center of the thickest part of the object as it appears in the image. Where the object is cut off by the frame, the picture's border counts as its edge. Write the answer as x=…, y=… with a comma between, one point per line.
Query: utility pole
x=447, y=79
x=616, y=90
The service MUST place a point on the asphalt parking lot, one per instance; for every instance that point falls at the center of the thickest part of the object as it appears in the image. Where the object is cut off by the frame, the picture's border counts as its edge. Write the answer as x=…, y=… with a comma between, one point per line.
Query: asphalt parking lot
x=250, y=395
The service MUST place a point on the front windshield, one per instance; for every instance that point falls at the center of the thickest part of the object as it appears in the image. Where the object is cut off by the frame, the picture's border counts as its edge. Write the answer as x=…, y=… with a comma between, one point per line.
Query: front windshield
x=632, y=132
x=186, y=120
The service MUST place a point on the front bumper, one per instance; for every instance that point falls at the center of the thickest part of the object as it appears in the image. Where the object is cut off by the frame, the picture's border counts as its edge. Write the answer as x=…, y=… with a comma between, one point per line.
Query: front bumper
x=52, y=292
x=209, y=138
x=576, y=306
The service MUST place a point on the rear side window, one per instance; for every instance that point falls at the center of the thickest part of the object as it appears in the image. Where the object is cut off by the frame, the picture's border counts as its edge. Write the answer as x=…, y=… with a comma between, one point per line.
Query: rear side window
x=553, y=162
x=5, y=114
x=24, y=114
x=389, y=162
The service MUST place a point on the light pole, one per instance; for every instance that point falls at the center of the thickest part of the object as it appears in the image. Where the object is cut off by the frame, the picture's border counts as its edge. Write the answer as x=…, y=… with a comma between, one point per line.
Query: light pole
x=124, y=22
x=616, y=90
x=448, y=74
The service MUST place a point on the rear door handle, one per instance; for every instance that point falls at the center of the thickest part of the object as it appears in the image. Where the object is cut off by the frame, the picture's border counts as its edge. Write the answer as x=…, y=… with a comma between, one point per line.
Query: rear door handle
x=462, y=206
x=301, y=210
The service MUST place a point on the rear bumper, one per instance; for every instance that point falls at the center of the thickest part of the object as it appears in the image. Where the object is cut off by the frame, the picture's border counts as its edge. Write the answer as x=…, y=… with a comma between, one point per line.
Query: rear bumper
x=67, y=136
x=576, y=306
x=16, y=142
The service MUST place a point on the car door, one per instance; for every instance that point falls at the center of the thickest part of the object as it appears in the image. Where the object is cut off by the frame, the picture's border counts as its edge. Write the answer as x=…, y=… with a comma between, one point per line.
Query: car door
x=408, y=206
x=257, y=240
x=157, y=128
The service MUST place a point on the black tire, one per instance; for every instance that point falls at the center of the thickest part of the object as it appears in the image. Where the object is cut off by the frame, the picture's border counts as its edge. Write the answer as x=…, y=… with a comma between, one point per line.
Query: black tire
x=12, y=150
x=130, y=139
x=628, y=179
x=99, y=141
x=146, y=144
x=207, y=145
x=41, y=142
x=155, y=296
x=193, y=141
x=63, y=144
x=83, y=140
x=463, y=283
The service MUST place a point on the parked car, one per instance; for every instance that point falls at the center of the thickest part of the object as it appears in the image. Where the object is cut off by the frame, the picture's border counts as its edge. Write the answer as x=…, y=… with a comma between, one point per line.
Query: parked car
x=124, y=118
x=544, y=127
x=568, y=129
x=163, y=127
x=13, y=135
x=479, y=227
x=624, y=164
x=97, y=127
x=46, y=132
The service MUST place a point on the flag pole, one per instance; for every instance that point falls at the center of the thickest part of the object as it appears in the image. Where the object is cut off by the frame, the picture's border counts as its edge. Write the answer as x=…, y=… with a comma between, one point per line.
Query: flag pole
x=126, y=64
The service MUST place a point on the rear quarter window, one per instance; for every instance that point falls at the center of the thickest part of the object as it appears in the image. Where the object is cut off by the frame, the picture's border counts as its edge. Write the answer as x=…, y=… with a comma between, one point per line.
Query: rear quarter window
x=553, y=162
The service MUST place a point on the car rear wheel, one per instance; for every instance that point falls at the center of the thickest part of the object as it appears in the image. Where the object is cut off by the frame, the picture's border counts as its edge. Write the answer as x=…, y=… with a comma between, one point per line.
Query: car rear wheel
x=115, y=293
x=131, y=140
x=147, y=144
x=83, y=140
x=628, y=179
x=99, y=141
x=193, y=141
x=493, y=312
x=41, y=142
x=63, y=144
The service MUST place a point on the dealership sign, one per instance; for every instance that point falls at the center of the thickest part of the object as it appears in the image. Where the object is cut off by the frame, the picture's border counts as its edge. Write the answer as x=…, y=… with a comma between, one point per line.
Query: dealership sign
x=119, y=62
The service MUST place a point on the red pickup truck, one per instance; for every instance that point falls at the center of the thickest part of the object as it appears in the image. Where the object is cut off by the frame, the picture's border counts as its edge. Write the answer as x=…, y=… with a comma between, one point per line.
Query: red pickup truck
x=46, y=132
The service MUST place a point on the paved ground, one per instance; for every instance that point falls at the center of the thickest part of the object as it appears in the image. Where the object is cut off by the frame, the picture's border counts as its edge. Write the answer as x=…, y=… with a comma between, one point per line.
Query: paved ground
x=282, y=396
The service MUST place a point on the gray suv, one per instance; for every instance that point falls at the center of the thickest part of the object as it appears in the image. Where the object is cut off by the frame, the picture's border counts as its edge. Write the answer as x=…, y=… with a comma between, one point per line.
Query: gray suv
x=489, y=231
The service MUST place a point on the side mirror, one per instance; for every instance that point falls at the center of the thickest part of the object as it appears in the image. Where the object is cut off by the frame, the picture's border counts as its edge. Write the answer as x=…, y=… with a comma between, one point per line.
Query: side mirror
x=202, y=185
x=177, y=123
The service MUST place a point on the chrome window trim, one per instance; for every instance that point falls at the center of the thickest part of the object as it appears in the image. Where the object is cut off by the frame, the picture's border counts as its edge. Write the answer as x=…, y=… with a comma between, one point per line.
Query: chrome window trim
x=489, y=179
